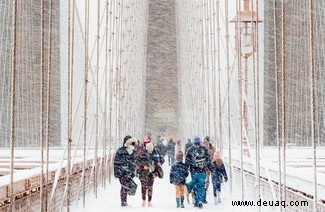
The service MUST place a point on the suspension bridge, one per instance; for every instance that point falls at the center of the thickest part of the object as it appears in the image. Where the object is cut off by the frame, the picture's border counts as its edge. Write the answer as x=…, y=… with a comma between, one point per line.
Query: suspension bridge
x=78, y=76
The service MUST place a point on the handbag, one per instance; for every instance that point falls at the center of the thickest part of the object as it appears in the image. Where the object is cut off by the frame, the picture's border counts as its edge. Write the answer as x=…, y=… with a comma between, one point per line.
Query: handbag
x=132, y=187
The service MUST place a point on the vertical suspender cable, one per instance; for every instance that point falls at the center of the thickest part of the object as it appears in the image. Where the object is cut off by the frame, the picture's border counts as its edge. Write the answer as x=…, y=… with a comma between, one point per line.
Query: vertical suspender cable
x=111, y=70
x=219, y=77
x=49, y=62
x=69, y=108
x=228, y=93
x=105, y=105
x=214, y=80
x=238, y=37
x=97, y=100
x=313, y=98
x=277, y=88
x=42, y=101
x=283, y=97
x=85, y=102
x=255, y=35
x=13, y=103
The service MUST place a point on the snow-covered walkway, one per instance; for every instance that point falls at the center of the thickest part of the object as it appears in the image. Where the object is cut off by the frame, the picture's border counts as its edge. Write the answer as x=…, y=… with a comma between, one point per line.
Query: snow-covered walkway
x=163, y=199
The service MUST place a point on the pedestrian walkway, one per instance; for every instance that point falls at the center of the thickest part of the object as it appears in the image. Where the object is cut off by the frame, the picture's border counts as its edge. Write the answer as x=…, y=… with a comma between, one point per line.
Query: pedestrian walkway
x=163, y=199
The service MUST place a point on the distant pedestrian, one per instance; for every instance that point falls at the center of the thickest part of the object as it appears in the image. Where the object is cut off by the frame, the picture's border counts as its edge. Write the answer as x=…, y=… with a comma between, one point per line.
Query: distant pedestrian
x=178, y=174
x=188, y=145
x=124, y=168
x=171, y=151
x=161, y=148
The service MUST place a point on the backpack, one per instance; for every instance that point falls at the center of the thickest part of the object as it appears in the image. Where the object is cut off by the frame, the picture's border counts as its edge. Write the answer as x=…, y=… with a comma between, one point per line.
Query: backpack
x=199, y=158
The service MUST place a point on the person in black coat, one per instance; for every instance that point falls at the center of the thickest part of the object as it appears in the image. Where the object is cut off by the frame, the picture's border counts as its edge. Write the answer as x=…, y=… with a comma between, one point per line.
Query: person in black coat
x=199, y=162
x=124, y=166
x=177, y=176
x=161, y=148
x=188, y=145
x=171, y=151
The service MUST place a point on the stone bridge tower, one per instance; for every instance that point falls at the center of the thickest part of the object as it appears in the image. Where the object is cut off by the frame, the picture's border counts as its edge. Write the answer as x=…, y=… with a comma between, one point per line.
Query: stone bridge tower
x=162, y=81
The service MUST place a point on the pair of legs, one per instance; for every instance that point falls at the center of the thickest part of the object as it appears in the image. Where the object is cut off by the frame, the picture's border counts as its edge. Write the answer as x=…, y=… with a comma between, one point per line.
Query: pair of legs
x=180, y=191
x=123, y=191
x=171, y=159
x=217, y=192
x=207, y=183
x=198, y=180
x=147, y=184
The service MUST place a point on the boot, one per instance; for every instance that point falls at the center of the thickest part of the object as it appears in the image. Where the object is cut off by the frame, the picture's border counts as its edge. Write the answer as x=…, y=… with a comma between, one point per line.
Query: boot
x=182, y=202
x=205, y=197
x=143, y=203
x=215, y=200
x=149, y=204
x=178, y=202
x=219, y=197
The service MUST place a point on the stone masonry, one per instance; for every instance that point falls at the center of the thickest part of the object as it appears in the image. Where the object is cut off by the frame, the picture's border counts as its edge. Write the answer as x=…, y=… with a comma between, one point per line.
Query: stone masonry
x=162, y=82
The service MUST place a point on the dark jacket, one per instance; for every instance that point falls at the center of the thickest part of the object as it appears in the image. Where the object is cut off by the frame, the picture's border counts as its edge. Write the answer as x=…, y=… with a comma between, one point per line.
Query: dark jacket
x=161, y=148
x=218, y=172
x=171, y=147
x=197, y=159
x=178, y=173
x=124, y=163
x=187, y=146
x=146, y=159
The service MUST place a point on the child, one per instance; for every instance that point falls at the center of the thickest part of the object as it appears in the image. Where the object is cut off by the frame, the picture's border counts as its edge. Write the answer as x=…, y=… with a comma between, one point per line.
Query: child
x=218, y=171
x=178, y=174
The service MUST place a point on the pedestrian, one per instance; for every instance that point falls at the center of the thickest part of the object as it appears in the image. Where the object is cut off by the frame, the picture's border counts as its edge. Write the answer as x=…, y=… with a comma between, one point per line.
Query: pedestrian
x=149, y=167
x=199, y=162
x=177, y=176
x=178, y=145
x=171, y=151
x=124, y=168
x=161, y=148
x=188, y=145
x=207, y=144
x=218, y=171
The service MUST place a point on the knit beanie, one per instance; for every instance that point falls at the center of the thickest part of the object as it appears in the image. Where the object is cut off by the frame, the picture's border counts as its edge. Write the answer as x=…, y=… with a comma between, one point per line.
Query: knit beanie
x=146, y=140
x=217, y=154
x=149, y=147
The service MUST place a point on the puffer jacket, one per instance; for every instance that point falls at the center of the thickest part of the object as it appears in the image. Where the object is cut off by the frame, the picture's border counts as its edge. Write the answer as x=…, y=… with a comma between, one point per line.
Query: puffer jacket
x=198, y=159
x=124, y=163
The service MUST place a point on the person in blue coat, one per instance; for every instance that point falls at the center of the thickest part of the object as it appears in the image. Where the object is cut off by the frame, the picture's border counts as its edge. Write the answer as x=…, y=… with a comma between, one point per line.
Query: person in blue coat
x=178, y=174
x=218, y=172
x=124, y=166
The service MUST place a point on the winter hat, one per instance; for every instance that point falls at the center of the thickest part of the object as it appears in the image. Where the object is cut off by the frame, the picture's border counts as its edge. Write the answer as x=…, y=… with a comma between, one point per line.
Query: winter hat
x=197, y=140
x=149, y=147
x=126, y=138
x=179, y=156
x=146, y=140
x=130, y=141
x=217, y=154
x=207, y=139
